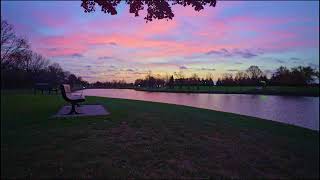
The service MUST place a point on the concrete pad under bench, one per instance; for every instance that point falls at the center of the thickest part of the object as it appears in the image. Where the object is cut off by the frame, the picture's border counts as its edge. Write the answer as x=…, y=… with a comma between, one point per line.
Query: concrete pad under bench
x=85, y=110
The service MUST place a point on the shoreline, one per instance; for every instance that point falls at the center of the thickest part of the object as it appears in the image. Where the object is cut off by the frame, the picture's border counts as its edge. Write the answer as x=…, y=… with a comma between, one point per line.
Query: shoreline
x=231, y=113
x=257, y=92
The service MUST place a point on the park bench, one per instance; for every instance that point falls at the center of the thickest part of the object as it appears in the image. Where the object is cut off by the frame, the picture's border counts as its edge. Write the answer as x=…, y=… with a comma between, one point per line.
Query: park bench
x=44, y=87
x=73, y=99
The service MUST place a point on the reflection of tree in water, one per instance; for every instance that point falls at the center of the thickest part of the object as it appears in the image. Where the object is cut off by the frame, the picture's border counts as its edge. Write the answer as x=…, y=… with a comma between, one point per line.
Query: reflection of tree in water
x=156, y=9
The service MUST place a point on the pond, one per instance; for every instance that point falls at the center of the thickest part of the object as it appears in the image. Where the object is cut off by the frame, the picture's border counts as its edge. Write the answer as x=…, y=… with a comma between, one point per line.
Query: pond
x=299, y=111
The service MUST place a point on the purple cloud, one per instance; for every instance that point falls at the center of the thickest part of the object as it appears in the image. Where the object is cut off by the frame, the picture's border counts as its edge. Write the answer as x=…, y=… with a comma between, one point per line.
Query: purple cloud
x=113, y=43
x=294, y=58
x=105, y=57
x=231, y=53
x=76, y=55
x=280, y=61
x=183, y=67
x=232, y=70
x=207, y=69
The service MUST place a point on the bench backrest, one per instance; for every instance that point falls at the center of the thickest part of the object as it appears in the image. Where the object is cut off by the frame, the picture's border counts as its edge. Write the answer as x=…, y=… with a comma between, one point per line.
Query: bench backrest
x=65, y=91
x=67, y=88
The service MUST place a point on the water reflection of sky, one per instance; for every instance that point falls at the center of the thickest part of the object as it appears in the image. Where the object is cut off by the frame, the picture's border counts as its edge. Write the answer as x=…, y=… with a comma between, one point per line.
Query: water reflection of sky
x=300, y=111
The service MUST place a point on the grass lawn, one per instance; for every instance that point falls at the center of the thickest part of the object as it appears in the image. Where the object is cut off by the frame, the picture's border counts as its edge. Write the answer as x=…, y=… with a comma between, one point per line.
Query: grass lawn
x=269, y=90
x=148, y=140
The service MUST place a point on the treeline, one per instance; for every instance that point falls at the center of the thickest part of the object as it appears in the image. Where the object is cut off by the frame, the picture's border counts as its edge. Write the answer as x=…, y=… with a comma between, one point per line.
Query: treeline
x=22, y=68
x=113, y=84
x=156, y=82
x=298, y=76
x=253, y=76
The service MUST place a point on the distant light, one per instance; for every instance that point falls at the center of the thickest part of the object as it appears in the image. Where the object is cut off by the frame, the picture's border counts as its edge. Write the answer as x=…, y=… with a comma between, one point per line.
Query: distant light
x=263, y=97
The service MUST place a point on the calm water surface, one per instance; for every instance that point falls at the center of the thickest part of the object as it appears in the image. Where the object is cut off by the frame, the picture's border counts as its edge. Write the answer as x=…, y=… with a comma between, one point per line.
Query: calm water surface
x=300, y=111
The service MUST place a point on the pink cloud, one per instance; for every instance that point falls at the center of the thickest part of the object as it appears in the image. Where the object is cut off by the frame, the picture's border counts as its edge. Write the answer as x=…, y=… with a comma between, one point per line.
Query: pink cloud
x=60, y=45
x=209, y=33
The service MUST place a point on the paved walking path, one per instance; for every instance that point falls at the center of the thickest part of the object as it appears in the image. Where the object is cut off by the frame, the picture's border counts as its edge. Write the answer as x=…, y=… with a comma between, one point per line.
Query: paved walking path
x=85, y=110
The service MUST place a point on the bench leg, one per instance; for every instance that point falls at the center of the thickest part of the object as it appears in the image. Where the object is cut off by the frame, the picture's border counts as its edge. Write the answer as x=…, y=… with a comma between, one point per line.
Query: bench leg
x=73, y=110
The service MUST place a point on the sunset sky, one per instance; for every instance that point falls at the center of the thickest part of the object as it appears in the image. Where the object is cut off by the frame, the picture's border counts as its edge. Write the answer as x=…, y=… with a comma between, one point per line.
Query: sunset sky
x=222, y=39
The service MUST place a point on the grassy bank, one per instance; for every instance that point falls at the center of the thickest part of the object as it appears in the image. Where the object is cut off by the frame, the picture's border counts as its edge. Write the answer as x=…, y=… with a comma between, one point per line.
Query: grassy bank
x=144, y=139
x=270, y=90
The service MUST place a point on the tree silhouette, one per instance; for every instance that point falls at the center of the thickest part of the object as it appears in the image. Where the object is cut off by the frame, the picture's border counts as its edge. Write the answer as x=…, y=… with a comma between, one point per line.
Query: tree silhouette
x=12, y=46
x=254, y=72
x=171, y=82
x=21, y=67
x=156, y=9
